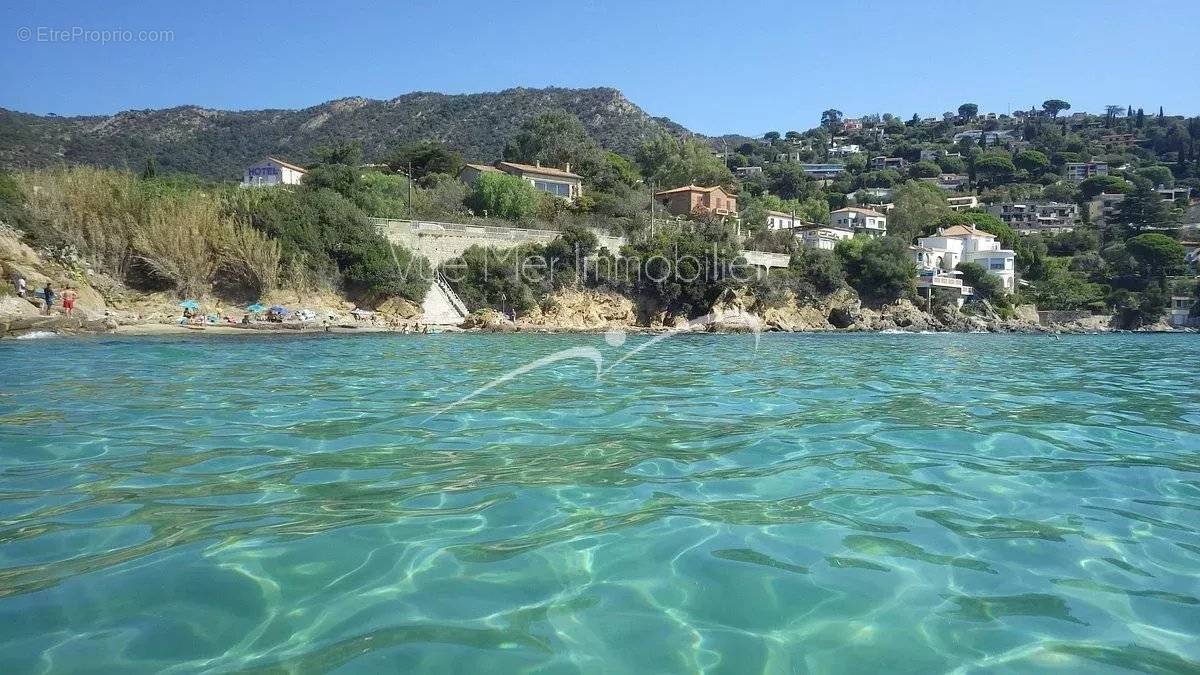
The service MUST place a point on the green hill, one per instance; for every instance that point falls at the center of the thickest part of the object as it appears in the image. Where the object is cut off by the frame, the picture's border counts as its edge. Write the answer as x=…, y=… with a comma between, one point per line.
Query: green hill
x=219, y=143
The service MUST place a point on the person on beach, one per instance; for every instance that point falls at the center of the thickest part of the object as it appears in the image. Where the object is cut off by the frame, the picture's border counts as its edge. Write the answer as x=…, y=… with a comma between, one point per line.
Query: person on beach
x=48, y=298
x=69, y=296
x=21, y=287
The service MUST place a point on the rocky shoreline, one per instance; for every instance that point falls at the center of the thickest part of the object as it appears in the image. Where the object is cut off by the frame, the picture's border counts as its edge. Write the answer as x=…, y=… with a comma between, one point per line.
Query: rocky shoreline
x=107, y=307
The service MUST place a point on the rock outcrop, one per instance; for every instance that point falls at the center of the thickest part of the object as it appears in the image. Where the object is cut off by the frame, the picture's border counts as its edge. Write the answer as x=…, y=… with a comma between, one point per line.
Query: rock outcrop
x=582, y=310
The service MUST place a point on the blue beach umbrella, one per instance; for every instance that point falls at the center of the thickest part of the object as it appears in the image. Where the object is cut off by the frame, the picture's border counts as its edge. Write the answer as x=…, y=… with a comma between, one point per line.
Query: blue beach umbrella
x=189, y=304
x=278, y=309
x=255, y=308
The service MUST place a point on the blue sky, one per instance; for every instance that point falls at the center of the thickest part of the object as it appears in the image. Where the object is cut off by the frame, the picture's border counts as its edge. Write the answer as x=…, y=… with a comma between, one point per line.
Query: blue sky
x=744, y=67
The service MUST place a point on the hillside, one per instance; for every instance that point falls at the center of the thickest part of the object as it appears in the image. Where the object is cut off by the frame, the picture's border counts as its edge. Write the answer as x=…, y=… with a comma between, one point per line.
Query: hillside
x=218, y=143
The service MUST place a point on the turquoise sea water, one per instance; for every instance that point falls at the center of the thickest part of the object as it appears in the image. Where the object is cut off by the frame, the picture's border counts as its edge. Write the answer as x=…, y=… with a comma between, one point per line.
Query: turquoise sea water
x=825, y=503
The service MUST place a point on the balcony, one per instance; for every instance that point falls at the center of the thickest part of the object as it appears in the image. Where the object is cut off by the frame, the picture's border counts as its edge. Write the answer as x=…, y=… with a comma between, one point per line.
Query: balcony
x=943, y=281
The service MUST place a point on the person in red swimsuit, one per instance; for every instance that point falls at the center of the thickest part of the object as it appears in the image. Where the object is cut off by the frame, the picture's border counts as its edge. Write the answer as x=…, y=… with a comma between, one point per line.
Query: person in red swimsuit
x=69, y=297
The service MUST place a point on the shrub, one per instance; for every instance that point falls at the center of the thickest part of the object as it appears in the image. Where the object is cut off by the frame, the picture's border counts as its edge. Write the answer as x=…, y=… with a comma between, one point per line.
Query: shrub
x=504, y=196
x=819, y=268
x=879, y=269
x=987, y=286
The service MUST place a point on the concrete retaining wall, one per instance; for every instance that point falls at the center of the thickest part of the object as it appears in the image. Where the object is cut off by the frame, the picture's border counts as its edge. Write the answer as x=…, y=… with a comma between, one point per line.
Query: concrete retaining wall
x=440, y=242
x=1046, y=317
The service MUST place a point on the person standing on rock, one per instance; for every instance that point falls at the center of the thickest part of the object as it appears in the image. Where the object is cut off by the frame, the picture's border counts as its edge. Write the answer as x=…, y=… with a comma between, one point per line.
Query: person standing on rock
x=21, y=287
x=69, y=296
x=48, y=297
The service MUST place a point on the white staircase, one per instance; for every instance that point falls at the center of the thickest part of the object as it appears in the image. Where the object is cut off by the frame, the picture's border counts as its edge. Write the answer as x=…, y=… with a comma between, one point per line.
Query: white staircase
x=442, y=306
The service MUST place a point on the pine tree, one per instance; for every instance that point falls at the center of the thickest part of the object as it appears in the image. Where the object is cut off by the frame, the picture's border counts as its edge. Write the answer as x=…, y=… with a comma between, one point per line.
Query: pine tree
x=1141, y=118
x=1162, y=121
x=1143, y=207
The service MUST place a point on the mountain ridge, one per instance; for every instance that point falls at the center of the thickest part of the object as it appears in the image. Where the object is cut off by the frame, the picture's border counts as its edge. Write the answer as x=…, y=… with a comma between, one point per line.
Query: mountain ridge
x=219, y=143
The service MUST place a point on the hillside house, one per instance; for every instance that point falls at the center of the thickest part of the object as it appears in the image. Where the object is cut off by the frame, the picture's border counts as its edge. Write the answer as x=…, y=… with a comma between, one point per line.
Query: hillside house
x=950, y=182
x=962, y=203
x=558, y=182
x=895, y=163
x=695, y=200
x=822, y=171
x=778, y=220
x=859, y=221
x=942, y=252
x=1085, y=170
x=271, y=172
x=845, y=150
x=1033, y=217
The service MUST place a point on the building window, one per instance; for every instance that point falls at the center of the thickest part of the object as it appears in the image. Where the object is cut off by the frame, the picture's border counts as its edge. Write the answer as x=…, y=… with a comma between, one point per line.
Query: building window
x=996, y=263
x=559, y=189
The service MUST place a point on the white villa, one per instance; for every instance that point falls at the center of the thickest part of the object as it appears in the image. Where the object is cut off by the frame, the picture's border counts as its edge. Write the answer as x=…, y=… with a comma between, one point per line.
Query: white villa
x=778, y=220
x=941, y=253
x=271, y=172
x=813, y=235
x=823, y=237
x=859, y=221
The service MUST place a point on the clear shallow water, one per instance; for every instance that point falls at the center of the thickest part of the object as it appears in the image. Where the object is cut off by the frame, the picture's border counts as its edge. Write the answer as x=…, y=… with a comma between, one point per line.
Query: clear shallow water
x=853, y=503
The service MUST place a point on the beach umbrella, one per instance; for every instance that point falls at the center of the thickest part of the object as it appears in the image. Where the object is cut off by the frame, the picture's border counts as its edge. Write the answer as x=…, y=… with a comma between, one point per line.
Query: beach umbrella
x=255, y=308
x=189, y=304
x=278, y=309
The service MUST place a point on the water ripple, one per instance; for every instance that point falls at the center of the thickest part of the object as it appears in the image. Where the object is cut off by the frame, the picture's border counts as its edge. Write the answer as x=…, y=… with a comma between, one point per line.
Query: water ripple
x=825, y=503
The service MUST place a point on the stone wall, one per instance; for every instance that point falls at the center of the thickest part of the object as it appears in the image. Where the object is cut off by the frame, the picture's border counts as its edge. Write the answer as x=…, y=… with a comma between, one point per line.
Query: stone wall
x=1047, y=317
x=440, y=242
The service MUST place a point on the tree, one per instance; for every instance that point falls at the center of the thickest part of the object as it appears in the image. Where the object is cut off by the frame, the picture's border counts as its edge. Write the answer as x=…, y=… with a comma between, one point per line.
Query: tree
x=504, y=196
x=684, y=270
x=820, y=268
x=968, y=111
x=624, y=170
x=880, y=269
x=950, y=164
x=986, y=285
x=918, y=205
x=1063, y=290
x=669, y=163
x=990, y=224
x=995, y=168
x=556, y=139
x=1094, y=186
x=323, y=233
x=1134, y=310
x=1157, y=254
x=425, y=159
x=1054, y=106
x=1111, y=113
x=1032, y=161
x=925, y=170
x=337, y=169
x=1141, y=118
x=771, y=136
x=832, y=120
x=1158, y=175
x=792, y=136
x=1143, y=207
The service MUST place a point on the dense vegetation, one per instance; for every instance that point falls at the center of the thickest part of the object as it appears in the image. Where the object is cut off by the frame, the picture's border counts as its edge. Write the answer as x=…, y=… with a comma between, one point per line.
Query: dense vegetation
x=219, y=144
x=174, y=233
